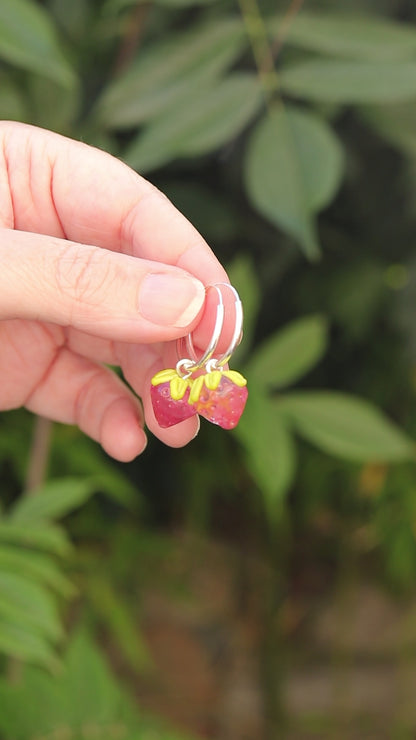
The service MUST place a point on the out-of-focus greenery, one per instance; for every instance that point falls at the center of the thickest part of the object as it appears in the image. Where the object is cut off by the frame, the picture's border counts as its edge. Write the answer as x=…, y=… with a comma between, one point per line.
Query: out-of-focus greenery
x=288, y=136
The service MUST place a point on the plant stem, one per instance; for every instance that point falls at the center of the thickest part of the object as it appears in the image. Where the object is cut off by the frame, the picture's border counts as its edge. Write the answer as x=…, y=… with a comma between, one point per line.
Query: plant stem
x=263, y=57
x=264, y=52
x=38, y=454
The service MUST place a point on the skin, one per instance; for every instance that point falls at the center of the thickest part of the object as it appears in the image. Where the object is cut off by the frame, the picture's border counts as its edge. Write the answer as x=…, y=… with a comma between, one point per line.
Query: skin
x=81, y=238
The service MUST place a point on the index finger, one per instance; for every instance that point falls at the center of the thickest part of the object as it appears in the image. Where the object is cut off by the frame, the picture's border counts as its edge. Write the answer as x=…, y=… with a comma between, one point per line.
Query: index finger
x=60, y=187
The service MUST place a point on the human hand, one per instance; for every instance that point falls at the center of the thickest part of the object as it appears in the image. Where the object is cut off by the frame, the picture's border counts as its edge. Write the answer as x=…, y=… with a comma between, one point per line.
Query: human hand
x=97, y=266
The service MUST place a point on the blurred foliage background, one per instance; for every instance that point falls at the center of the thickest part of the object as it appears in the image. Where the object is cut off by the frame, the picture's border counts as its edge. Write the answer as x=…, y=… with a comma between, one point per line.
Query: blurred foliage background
x=260, y=583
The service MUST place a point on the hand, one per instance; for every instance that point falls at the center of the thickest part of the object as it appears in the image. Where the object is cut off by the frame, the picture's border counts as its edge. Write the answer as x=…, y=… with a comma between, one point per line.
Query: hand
x=97, y=266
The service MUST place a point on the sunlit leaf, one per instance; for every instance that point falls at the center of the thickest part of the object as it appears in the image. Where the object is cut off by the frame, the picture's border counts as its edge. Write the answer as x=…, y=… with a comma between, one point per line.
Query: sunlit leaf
x=209, y=119
x=293, y=168
x=29, y=40
x=290, y=353
x=43, y=536
x=54, y=499
x=19, y=595
x=27, y=645
x=348, y=35
x=35, y=565
x=334, y=81
x=346, y=426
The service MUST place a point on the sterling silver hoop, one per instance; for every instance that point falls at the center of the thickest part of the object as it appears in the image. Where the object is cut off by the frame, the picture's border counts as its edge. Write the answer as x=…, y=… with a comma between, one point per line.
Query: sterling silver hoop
x=186, y=366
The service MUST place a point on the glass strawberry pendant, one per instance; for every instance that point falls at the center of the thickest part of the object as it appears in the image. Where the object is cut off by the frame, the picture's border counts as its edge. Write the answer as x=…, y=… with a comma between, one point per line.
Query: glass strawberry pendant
x=219, y=396
x=170, y=398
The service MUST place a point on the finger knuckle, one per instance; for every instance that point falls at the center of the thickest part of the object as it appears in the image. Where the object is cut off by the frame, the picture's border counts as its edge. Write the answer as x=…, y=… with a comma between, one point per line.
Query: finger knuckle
x=83, y=274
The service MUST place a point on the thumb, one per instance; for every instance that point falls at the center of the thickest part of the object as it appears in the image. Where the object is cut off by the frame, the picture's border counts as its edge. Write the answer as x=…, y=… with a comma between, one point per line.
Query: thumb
x=105, y=293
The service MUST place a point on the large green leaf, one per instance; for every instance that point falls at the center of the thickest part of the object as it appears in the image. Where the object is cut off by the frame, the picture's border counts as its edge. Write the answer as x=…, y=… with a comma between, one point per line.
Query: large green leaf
x=350, y=36
x=53, y=500
x=29, y=40
x=169, y=72
x=271, y=457
x=207, y=120
x=289, y=354
x=334, y=81
x=293, y=168
x=346, y=426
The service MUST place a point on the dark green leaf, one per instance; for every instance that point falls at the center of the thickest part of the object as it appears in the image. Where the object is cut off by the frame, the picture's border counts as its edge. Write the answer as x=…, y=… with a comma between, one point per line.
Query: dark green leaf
x=349, y=36
x=170, y=73
x=29, y=40
x=12, y=101
x=270, y=450
x=206, y=121
x=395, y=123
x=346, y=426
x=293, y=168
x=334, y=81
x=120, y=621
x=289, y=354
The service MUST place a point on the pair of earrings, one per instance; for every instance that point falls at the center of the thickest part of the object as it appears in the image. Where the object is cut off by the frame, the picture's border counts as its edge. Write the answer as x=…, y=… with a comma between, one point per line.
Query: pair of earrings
x=202, y=385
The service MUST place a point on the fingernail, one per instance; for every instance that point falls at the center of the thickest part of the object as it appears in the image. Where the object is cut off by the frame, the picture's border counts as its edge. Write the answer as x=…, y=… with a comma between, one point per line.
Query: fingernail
x=170, y=300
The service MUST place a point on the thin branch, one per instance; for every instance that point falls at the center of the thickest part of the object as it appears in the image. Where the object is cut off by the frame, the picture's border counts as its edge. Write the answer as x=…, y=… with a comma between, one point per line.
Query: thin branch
x=264, y=52
x=38, y=454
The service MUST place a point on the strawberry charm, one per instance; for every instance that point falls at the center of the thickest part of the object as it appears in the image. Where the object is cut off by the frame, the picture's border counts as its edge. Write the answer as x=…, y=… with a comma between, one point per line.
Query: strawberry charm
x=220, y=396
x=217, y=394
x=170, y=395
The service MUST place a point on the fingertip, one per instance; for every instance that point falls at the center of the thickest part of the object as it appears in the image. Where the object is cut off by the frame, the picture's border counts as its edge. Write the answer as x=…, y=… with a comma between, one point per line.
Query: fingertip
x=121, y=433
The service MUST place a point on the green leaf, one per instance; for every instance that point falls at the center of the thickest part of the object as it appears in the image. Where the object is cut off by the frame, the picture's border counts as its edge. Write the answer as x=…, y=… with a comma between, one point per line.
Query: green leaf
x=27, y=645
x=395, y=123
x=12, y=102
x=92, y=692
x=271, y=455
x=29, y=40
x=333, y=81
x=121, y=622
x=346, y=426
x=289, y=354
x=45, y=537
x=205, y=122
x=169, y=72
x=55, y=499
x=243, y=277
x=24, y=601
x=349, y=36
x=34, y=565
x=293, y=169
x=184, y=3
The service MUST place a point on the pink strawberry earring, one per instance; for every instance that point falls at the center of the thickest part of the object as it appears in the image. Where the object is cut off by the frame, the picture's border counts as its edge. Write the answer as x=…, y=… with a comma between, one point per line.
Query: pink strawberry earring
x=203, y=385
